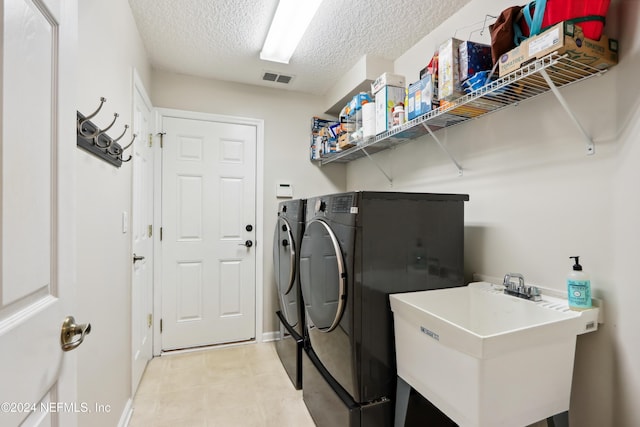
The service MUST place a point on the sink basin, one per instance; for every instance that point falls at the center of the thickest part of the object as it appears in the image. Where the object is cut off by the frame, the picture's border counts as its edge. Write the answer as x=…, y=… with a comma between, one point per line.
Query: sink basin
x=485, y=358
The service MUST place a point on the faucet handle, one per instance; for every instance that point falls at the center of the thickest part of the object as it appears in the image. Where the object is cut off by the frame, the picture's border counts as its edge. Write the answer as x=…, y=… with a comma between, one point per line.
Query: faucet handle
x=510, y=285
x=520, y=290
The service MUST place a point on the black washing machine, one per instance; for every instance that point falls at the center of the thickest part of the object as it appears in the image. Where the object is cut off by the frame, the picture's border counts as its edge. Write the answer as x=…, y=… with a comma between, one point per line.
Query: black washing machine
x=358, y=248
x=286, y=257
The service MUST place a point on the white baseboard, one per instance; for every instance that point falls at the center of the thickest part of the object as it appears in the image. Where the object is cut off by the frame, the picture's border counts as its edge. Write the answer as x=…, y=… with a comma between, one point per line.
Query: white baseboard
x=270, y=336
x=126, y=414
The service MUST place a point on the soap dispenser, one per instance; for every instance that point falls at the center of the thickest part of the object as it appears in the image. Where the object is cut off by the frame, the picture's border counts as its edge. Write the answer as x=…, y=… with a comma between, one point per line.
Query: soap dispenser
x=578, y=287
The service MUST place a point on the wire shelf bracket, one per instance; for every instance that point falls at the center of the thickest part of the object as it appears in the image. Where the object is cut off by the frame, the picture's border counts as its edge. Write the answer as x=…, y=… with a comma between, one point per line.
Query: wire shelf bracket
x=378, y=166
x=591, y=148
x=443, y=148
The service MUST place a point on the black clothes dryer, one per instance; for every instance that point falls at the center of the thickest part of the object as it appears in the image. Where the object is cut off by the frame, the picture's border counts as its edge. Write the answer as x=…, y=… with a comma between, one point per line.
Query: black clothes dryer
x=358, y=248
x=286, y=257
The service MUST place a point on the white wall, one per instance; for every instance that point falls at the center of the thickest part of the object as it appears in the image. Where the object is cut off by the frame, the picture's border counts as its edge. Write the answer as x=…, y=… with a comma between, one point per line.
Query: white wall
x=109, y=48
x=536, y=199
x=287, y=117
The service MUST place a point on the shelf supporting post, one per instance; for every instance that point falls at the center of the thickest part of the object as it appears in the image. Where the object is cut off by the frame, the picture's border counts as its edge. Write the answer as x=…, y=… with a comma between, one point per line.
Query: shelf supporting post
x=443, y=148
x=378, y=166
x=591, y=149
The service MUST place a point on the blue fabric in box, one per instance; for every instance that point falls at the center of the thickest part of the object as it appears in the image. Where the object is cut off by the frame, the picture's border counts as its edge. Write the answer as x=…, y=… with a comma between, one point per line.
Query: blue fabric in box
x=474, y=57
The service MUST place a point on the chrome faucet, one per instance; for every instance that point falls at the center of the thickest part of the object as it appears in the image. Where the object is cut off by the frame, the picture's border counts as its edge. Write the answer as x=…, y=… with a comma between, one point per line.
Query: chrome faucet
x=520, y=290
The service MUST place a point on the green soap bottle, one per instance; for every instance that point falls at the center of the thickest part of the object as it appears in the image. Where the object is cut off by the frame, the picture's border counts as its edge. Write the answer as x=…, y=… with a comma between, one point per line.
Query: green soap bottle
x=578, y=287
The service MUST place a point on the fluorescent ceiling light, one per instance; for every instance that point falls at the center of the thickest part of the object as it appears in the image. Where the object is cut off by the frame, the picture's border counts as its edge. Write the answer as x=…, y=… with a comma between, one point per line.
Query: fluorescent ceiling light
x=289, y=24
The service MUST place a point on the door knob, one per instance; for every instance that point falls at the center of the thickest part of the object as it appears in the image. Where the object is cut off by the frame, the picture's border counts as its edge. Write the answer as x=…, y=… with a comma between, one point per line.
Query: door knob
x=137, y=258
x=72, y=334
x=248, y=243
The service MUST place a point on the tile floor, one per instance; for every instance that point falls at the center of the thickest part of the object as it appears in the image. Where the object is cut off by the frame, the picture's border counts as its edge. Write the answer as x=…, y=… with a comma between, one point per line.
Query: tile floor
x=238, y=386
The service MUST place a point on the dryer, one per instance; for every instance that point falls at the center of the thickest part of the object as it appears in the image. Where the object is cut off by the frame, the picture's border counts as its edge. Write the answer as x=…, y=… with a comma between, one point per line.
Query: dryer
x=358, y=248
x=286, y=244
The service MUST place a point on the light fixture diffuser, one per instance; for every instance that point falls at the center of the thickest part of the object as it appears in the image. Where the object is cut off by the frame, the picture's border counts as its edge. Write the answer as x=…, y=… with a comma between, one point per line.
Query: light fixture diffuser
x=289, y=24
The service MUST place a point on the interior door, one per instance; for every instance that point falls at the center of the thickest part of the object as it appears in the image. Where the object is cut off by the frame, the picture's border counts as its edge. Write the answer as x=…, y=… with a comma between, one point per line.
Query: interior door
x=142, y=235
x=208, y=223
x=36, y=210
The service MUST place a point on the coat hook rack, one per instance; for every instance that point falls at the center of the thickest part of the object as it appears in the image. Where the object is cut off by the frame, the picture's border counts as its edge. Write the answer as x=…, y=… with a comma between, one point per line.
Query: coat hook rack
x=96, y=141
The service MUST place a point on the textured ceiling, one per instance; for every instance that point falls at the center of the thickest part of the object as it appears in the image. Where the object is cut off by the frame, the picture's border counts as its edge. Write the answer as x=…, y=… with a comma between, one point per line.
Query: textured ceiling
x=222, y=39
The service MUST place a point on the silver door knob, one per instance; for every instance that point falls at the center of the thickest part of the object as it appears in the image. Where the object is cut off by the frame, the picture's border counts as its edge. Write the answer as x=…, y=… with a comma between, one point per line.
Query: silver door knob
x=72, y=334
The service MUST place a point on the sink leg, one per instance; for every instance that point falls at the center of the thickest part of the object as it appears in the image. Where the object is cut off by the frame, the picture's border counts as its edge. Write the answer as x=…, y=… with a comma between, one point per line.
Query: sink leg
x=559, y=420
x=402, y=402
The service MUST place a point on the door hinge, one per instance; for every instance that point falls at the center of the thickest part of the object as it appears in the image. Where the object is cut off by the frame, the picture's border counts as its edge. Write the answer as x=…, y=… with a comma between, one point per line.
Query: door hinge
x=149, y=320
x=150, y=140
x=161, y=234
x=160, y=325
x=150, y=231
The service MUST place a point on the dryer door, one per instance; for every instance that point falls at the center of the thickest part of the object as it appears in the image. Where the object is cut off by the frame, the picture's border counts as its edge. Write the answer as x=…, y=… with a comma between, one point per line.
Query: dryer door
x=323, y=276
x=284, y=260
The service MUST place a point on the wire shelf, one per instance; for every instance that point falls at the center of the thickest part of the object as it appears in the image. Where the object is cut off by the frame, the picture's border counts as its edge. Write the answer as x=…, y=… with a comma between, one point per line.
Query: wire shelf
x=525, y=83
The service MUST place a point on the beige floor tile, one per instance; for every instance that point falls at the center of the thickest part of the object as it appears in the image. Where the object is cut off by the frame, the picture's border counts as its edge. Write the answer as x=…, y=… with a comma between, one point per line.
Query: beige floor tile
x=237, y=386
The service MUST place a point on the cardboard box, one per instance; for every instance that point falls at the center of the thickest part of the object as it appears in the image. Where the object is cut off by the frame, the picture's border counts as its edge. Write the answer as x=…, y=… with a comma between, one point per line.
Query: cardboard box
x=473, y=57
x=419, y=101
x=564, y=37
x=464, y=110
x=387, y=98
x=387, y=79
x=449, y=70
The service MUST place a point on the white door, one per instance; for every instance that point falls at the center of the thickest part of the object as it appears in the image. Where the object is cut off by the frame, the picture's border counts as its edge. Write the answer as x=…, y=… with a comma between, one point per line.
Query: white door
x=37, y=150
x=208, y=223
x=142, y=235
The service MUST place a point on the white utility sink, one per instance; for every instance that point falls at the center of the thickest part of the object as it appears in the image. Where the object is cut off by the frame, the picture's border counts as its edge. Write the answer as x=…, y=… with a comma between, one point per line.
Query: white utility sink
x=485, y=358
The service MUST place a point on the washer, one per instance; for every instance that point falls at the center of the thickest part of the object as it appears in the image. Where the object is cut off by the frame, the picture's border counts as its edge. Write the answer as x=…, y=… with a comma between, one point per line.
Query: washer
x=358, y=248
x=286, y=257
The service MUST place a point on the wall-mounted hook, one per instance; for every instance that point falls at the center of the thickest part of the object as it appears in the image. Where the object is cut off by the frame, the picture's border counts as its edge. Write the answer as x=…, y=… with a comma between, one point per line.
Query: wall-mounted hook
x=125, y=147
x=122, y=134
x=96, y=141
x=102, y=134
x=135, y=135
x=81, y=129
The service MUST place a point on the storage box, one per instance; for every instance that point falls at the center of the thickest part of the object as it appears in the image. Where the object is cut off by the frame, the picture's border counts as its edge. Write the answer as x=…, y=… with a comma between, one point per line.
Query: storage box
x=323, y=137
x=564, y=37
x=473, y=57
x=353, y=118
x=388, y=79
x=387, y=98
x=419, y=101
x=449, y=70
x=317, y=123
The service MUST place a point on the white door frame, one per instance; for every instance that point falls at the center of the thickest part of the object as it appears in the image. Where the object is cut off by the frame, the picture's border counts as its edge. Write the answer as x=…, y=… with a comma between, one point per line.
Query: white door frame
x=157, y=220
x=138, y=86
